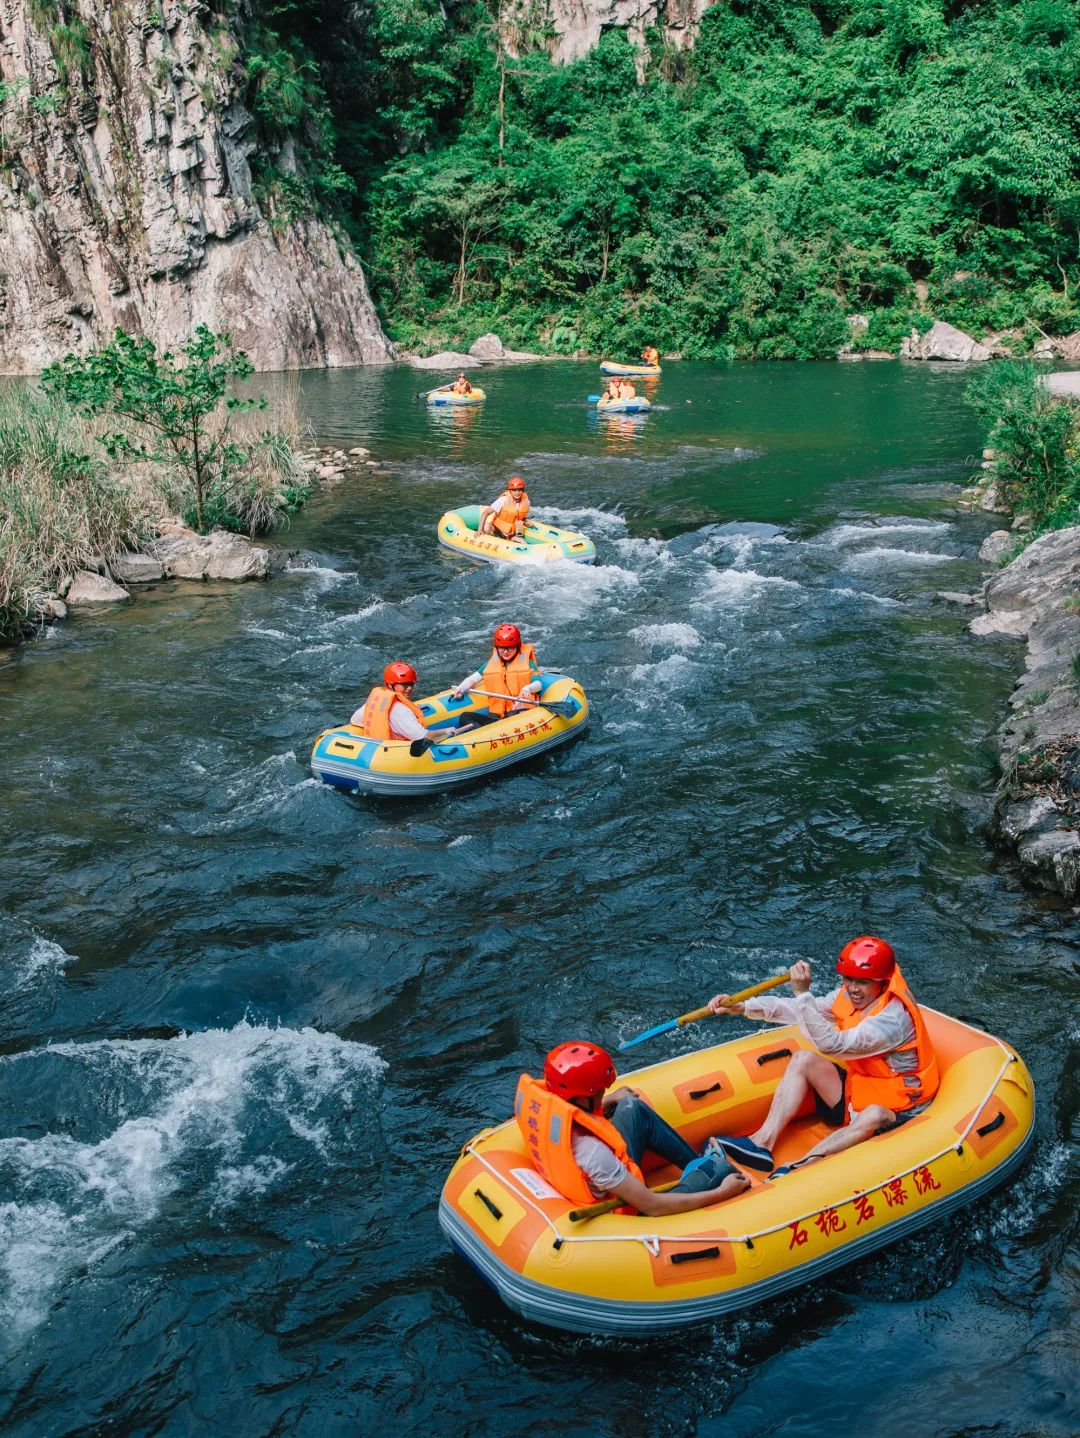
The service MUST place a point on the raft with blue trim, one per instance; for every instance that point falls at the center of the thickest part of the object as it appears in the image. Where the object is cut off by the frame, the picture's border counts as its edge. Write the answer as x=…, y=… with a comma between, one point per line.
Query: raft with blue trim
x=629, y=370
x=637, y=405
x=446, y=395
x=634, y=1275
x=459, y=529
x=345, y=759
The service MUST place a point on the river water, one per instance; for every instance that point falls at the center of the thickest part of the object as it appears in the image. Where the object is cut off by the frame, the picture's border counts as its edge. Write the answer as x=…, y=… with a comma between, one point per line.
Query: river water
x=248, y=1021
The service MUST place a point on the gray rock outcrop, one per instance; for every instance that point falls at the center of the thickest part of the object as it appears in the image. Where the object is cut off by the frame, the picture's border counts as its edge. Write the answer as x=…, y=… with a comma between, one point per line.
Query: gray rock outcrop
x=136, y=569
x=943, y=342
x=1037, y=806
x=996, y=546
x=90, y=588
x=126, y=200
x=576, y=25
x=1066, y=384
x=445, y=359
x=218, y=555
x=489, y=349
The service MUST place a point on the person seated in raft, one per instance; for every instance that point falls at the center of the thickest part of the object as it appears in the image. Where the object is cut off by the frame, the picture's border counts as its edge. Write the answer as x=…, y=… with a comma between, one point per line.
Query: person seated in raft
x=389, y=713
x=627, y=390
x=589, y=1143
x=507, y=515
x=513, y=670
x=461, y=385
x=613, y=391
x=874, y=1024
x=650, y=355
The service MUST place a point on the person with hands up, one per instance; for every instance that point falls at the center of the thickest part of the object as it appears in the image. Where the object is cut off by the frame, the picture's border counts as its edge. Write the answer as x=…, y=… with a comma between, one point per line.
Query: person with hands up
x=871, y=1022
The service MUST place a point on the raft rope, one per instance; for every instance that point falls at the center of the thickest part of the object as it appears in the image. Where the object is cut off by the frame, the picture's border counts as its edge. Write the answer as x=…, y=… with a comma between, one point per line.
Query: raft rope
x=652, y=1241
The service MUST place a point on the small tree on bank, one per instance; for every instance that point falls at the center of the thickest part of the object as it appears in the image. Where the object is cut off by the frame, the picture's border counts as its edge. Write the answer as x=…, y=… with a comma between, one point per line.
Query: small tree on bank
x=174, y=409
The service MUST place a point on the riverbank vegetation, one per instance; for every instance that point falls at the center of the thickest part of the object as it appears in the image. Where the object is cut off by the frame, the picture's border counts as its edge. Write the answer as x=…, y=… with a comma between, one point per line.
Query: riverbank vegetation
x=1035, y=437
x=115, y=441
x=892, y=158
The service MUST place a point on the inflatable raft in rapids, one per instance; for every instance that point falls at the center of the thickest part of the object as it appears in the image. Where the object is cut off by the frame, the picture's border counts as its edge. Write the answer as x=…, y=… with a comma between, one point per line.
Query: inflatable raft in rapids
x=636, y=1275
x=344, y=758
x=459, y=529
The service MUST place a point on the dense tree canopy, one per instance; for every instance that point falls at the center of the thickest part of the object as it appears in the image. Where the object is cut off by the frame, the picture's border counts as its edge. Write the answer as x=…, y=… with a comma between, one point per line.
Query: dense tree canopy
x=804, y=162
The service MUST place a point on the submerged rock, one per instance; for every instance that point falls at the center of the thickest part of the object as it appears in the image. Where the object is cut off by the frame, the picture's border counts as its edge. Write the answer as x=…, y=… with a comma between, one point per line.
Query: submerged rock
x=90, y=588
x=218, y=555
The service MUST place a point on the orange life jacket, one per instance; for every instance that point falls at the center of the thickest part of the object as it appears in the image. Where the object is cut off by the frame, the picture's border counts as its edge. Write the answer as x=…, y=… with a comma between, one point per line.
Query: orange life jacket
x=511, y=512
x=871, y=1080
x=649, y=355
x=509, y=679
x=377, y=713
x=547, y=1126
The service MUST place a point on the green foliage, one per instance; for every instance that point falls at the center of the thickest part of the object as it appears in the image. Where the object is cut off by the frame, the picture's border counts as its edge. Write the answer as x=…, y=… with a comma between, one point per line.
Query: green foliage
x=58, y=505
x=172, y=411
x=1036, y=438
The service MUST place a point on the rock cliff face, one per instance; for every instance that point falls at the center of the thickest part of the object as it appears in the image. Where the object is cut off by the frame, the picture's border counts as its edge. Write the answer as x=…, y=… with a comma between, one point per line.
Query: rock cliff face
x=577, y=25
x=126, y=196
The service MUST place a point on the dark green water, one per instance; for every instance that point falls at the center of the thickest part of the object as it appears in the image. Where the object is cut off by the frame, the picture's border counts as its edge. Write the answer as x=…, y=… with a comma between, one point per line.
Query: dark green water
x=248, y=1022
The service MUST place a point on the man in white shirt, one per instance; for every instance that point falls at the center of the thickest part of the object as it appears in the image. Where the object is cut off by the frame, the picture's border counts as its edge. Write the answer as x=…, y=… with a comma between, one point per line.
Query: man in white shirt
x=873, y=1023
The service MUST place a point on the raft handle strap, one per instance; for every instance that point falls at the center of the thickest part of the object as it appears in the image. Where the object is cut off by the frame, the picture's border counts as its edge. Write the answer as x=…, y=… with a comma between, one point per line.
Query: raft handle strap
x=701, y=1092
x=994, y=1123
x=776, y=1054
x=713, y=1252
x=492, y=1208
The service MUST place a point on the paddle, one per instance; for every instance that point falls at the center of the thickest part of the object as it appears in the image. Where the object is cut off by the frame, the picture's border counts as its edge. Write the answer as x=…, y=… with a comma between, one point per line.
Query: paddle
x=705, y=1013
x=421, y=746
x=609, y=1205
x=594, y=399
x=562, y=708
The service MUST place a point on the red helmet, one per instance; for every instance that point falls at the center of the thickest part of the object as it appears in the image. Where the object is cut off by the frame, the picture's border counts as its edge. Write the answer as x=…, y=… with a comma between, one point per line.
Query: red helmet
x=399, y=673
x=578, y=1070
x=866, y=958
x=516, y=482
x=507, y=636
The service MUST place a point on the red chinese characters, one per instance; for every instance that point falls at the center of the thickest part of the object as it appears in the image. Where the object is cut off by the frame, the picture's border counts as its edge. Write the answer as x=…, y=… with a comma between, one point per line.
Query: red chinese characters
x=799, y=1235
x=924, y=1180
x=895, y=1193
x=864, y=1209
x=829, y=1221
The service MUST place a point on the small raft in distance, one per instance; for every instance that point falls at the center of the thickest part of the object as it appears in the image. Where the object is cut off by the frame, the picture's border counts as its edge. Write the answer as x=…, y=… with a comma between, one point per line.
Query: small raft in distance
x=446, y=395
x=618, y=1274
x=610, y=367
x=345, y=759
x=459, y=530
x=637, y=405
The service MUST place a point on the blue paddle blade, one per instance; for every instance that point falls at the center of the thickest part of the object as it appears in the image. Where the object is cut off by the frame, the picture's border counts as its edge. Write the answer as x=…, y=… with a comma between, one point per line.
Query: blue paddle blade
x=594, y=399
x=650, y=1034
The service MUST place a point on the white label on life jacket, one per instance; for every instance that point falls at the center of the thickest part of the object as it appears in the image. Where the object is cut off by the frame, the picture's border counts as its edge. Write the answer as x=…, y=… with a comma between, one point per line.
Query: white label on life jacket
x=537, y=1185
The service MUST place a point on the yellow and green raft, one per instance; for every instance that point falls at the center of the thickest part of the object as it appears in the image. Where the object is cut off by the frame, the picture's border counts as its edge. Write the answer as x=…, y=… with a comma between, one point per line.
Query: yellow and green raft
x=629, y=370
x=345, y=759
x=446, y=396
x=459, y=530
x=634, y=1275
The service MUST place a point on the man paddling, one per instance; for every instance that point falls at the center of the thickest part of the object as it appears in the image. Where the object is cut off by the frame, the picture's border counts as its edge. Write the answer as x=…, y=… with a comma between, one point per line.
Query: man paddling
x=873, y=1023
x=589, y=1143
x=513, y=670
x=506, y=515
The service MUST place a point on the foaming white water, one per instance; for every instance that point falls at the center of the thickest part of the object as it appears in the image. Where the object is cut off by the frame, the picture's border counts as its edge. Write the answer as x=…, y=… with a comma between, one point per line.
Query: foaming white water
x=43, y=960
x=672, y=672
x=198, y=1103
x=602, y=519
x=884, y=555
x=646, y=551
x=565, y=589
x=854, y=533
x=737, y=586
x=881, y=599
x=365, y=613
x=670, y=636
x=264, y=633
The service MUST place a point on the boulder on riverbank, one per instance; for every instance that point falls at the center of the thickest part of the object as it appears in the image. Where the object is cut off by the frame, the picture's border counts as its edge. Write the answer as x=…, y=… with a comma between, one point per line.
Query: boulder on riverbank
x=217, y=555
x=445, y=359
x=89, y=588
x=943, y=342
x=1037, y=805
x=489, y=349
x=136, y=568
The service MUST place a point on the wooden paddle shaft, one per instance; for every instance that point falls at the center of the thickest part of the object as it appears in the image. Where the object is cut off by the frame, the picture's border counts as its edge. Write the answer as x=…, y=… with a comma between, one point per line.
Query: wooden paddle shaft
x=609, y=1205
x=762, y=988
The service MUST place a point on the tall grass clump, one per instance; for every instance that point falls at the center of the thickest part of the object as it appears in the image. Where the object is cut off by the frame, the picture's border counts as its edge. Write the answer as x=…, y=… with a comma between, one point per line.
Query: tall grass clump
x=59, y=504
x=1036, y=439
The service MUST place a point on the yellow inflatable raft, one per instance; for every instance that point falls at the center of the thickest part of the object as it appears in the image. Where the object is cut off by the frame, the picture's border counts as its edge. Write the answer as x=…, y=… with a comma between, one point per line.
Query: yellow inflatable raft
x=610, y=367
x=637, y=1275
x=446, y=395
x=344, y=758
x=459, y=530
x=637, y=405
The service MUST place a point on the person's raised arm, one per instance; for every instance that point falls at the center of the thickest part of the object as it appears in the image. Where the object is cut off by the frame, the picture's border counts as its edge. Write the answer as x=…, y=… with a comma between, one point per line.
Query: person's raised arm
x=638, y=1195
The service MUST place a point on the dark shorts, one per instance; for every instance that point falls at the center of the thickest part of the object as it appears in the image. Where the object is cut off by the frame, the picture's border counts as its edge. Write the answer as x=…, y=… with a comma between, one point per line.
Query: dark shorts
x=835, y=1115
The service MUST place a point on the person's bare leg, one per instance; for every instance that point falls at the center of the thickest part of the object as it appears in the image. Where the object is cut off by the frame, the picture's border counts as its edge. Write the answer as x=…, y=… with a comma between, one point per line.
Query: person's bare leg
x=807, y=1072
x=858, y=1130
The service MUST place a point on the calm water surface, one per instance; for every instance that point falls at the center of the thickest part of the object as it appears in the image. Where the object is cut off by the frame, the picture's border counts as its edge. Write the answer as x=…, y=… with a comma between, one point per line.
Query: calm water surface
x=248, y=1022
